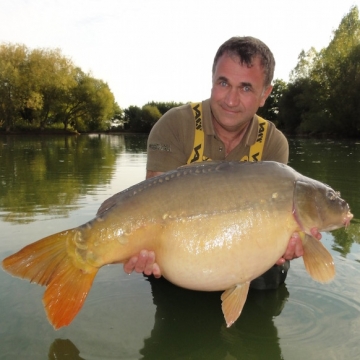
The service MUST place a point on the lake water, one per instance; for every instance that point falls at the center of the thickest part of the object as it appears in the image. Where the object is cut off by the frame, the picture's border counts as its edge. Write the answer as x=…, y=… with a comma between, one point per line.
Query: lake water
x=51, y=183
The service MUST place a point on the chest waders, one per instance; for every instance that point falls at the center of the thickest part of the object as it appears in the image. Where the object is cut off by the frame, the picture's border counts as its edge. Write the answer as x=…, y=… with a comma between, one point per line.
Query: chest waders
x=197, y=153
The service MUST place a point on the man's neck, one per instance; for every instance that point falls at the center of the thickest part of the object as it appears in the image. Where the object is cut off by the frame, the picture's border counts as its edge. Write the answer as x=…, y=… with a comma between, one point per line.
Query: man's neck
x=230, y=137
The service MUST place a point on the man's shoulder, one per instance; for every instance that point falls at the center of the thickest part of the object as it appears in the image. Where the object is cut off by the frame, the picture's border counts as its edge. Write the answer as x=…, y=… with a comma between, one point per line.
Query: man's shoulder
x=275, y=131
x=182, y=110
x=179, y=117
x=276, y=144
x=272, y=128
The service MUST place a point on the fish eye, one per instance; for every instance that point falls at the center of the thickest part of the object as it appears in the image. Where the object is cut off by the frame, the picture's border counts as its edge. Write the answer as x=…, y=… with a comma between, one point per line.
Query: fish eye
x=333, y=195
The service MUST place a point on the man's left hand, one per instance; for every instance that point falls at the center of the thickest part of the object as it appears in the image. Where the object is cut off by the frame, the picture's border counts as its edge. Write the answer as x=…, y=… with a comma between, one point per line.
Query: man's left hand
x=295, y=247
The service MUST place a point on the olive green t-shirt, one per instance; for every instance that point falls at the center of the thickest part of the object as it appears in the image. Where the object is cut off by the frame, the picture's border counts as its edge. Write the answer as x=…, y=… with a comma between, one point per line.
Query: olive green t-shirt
x=171, y=140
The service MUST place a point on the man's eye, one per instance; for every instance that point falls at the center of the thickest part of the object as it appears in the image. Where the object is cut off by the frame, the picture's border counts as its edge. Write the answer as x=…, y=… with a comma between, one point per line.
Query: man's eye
x=246, y=88
x=223, y=83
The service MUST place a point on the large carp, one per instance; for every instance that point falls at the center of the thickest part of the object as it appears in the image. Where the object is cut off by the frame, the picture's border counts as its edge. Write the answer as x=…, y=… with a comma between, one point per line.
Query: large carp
x=213, y=226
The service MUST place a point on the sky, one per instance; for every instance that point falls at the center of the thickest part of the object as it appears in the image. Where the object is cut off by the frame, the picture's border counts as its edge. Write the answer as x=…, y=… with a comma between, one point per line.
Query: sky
x=162, y=50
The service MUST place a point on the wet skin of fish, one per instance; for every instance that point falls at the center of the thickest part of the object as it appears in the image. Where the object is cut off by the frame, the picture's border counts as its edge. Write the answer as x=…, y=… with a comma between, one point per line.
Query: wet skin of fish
x=213, y=226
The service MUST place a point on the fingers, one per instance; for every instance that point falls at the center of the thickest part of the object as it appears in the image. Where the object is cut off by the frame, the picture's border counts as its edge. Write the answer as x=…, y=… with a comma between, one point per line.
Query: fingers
x=143, y=263
x=298, y=251
x=293, y=250
x=315, y=233
x=156, y=271
x=130, y=265
x=295, y=246
x=281, y=261
x=146, y=262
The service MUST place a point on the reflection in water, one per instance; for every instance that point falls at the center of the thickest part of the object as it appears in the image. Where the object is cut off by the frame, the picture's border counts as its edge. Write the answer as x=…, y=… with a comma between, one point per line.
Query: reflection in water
x=335, y=163
x=63, y=349
x=323, y=320
x=68, y=167
x=345, y=237
x=190, y=324
x=51, y=175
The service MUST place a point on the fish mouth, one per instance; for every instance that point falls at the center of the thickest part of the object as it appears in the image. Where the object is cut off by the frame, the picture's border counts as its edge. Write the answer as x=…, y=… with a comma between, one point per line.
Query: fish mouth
x=348, y=218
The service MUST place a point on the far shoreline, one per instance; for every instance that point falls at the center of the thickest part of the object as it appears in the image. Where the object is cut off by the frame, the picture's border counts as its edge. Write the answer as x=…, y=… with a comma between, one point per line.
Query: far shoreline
x=47, y=132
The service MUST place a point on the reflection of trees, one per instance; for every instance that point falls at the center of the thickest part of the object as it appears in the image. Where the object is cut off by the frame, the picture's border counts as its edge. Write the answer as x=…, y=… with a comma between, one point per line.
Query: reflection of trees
x=48, y=174
x=191, y=325
x=62, y=349
x=135, y=143
x=344, y=238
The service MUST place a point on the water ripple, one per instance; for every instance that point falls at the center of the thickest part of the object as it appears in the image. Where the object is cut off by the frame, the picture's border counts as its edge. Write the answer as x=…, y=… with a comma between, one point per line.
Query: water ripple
x=322, y=321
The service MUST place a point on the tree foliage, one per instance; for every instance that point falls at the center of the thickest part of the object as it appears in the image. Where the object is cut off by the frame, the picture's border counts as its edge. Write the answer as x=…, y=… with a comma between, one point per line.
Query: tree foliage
x=322, y=96
x=143, y=119
x=270, y=109
x=163, y=107
x=41, y=87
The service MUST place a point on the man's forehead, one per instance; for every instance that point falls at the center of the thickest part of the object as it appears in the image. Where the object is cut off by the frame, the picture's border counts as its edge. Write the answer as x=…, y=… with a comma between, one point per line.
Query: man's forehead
x=256, y=62
x=248, y=62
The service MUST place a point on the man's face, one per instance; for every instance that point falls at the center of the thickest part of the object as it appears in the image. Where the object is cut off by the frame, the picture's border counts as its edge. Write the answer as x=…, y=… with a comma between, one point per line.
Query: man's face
x=237, y=92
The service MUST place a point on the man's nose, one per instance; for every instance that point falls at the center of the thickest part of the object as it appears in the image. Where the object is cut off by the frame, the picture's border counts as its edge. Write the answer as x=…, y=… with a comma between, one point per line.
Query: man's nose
x=232, y=97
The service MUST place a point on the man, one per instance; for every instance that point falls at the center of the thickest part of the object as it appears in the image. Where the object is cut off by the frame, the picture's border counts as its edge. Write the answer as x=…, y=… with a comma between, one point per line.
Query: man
x=242, y=73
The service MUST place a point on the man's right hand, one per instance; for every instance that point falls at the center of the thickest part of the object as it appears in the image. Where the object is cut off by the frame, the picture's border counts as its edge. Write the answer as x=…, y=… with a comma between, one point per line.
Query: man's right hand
x=143, y=263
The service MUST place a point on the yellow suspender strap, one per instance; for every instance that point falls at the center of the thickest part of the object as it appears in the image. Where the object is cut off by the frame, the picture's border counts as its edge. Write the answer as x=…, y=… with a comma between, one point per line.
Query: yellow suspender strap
x=198, y=150
x=256, y=150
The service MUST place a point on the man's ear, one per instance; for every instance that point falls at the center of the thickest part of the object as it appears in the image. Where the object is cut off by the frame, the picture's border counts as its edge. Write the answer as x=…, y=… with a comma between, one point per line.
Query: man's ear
x=265, y=95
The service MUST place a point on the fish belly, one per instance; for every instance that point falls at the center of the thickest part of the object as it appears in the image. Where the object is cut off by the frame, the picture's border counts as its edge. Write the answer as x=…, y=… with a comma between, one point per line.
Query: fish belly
x=216, y=252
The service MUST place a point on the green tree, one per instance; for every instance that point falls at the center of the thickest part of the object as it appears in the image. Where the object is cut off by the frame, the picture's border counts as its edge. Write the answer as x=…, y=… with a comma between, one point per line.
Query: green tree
x=164, y=106
x=86, y=105
x=118, y=112
x=290, y=110
x=52, y=75
x=150, y=115
x=42, y=87
x=141, y=119
x=322, y=96
x=305, y=65
x=270, y=110
x=341, y=74
x=13, y=92
x=133, y=118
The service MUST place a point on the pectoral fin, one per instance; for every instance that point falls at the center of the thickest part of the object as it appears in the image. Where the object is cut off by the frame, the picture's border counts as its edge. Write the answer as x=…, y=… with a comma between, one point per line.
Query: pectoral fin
x=318, y=261
x=233, y=301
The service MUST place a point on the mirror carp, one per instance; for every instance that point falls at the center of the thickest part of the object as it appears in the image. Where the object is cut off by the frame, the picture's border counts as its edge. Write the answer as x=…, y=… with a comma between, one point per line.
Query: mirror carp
x=213, y=226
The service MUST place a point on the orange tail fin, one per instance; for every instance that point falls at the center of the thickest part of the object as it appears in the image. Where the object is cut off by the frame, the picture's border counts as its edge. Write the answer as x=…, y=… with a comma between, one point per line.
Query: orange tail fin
x=47, y=262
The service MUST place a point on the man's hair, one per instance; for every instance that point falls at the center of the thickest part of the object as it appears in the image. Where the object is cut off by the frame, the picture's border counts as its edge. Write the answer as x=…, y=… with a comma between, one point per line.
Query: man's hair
x=248, y=48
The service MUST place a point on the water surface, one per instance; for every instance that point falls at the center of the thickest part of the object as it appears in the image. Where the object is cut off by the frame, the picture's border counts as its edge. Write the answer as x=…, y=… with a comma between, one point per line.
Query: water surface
x=48, y=184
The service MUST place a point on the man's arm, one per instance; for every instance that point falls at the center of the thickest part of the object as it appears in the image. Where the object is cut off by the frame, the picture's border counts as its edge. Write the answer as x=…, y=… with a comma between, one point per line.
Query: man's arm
x=150, y=173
